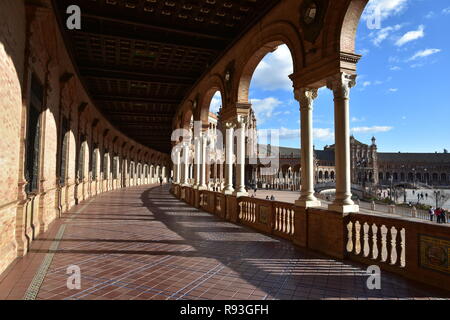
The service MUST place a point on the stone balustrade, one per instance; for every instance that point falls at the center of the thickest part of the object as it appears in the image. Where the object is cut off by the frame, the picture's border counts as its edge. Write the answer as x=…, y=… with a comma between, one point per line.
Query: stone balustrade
x=413, y=249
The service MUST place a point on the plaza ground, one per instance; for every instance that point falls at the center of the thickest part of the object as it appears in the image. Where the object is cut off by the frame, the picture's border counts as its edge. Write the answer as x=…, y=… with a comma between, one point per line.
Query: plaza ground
x=142, y=243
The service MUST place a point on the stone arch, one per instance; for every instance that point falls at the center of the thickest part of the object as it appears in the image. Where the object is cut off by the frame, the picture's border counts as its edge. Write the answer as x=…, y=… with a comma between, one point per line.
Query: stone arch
x=350, y=24
x=268, y=40
x=215, y=85
x=95, y=164
x=83, y=165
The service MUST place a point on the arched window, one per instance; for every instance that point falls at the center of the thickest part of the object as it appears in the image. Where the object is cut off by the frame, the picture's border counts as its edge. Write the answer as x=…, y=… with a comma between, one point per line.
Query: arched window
x=105, y=165
x=115, y=167
x=95, y=164
x=81, y=159
x=32, y=149
x=64, y=152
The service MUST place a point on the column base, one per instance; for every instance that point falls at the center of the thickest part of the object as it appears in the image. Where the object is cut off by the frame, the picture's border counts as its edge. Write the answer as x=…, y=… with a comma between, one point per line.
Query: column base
x=238, y=194
x=341, y=208
x=228, y=192
x=308, y=203
x=202, y=188
x=185, y=185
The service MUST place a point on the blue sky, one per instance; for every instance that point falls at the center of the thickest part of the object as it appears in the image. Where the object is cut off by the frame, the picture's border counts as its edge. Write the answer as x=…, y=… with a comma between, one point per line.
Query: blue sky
x=403, y=92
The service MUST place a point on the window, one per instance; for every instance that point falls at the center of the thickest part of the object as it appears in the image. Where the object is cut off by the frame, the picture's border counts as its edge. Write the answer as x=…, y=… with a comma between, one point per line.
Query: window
x=64, y=151
x=33, y=136
x=81, y=159
x=115, y=167
x=94, y=164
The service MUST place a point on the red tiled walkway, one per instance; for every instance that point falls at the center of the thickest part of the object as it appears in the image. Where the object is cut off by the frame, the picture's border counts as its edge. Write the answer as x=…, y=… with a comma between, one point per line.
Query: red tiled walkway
x=141, y=243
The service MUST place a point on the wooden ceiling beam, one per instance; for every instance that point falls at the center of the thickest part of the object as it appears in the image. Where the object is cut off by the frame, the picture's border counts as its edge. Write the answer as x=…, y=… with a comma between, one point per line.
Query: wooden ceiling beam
x=109, y=98
x=115, y=74
x=158, y=28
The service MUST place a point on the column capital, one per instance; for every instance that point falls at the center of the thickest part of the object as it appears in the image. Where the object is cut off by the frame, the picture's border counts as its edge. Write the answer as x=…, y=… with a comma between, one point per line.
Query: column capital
x=306, y=96
x=241, y=121
x=341, y=84
x=230, y=125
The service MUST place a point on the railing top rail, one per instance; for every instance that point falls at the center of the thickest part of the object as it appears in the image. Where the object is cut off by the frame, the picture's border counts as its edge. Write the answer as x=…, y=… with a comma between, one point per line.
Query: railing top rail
x=395, y=220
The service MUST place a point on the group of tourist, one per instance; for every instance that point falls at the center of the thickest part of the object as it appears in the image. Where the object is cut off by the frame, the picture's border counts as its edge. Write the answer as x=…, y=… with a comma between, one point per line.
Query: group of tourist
x=255, y=189
x=439, y=213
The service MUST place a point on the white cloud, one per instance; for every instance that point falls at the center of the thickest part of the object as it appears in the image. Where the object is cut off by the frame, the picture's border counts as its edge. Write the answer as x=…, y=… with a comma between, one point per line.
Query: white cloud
x=324, y=134
x=366, y=83
x=273, y=71
x=393, y=90
x=411, y=36
x=395, y=68
x=363, y=52
x=446, y=10
x=370, y=130
x=386, y=8
x=379, y=36
x=356, y=119
x=430, y=15
x=216, y=102
x=264, y=108
x=424, y=53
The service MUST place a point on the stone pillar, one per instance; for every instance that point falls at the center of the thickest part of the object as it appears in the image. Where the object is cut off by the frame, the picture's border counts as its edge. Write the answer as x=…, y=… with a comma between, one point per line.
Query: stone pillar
x=306, y=98
x=240, y=163
x=185, y=175
x=341, y=85
x=229, y=158
x=203, y=144
x=177, y=166
x=197, y=160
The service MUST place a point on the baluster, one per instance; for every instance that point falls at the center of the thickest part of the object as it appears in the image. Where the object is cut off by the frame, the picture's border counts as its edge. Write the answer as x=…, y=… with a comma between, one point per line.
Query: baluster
x=275, y=226
x=376, y=243
x=398, y=247
x=367, y=234
x=288, y=221
x=245, y=211
x=384, y=251
x=349, y=237
x=292, y=222
x=357, y=241
x=284, y=220
x=402, y=248
x=254, y=213
x=394, y=252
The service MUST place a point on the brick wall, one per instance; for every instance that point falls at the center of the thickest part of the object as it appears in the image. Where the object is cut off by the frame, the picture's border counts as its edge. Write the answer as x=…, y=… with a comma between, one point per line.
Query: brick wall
x=12, y=46
x=48, y=60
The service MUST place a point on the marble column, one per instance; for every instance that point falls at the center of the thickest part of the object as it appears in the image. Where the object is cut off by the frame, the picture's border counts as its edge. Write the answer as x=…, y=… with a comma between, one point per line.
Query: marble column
x=306, y=97
x=229, y=144
x=204, y=143
x=240, y=164
x=197, y=160
x=177, y=166
x=185, y=164
x=341, y=85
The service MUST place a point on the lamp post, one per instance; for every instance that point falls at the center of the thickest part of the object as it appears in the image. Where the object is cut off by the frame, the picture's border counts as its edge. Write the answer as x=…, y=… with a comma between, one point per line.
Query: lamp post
x=391, y=179
x=437, y=194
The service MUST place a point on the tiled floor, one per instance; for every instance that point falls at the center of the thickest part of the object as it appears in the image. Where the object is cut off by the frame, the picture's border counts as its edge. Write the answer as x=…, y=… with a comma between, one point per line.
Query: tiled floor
x=141, y=243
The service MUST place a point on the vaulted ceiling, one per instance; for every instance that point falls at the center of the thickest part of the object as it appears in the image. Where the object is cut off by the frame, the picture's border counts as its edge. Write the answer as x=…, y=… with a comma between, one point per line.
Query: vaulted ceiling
x=139, y=58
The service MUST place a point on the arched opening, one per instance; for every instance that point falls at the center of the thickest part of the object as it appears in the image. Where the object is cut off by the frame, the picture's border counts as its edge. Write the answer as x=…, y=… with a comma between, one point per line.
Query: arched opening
x=265, y=85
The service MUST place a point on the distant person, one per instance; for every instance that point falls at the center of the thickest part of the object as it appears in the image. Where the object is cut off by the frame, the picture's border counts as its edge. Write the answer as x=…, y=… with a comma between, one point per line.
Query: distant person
x=267, y=198
x=426, y=195
x=272, y=198
x=431, y=213
x=443, y=216
x=255, y=189
x=438, y=213
x=160, y=181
